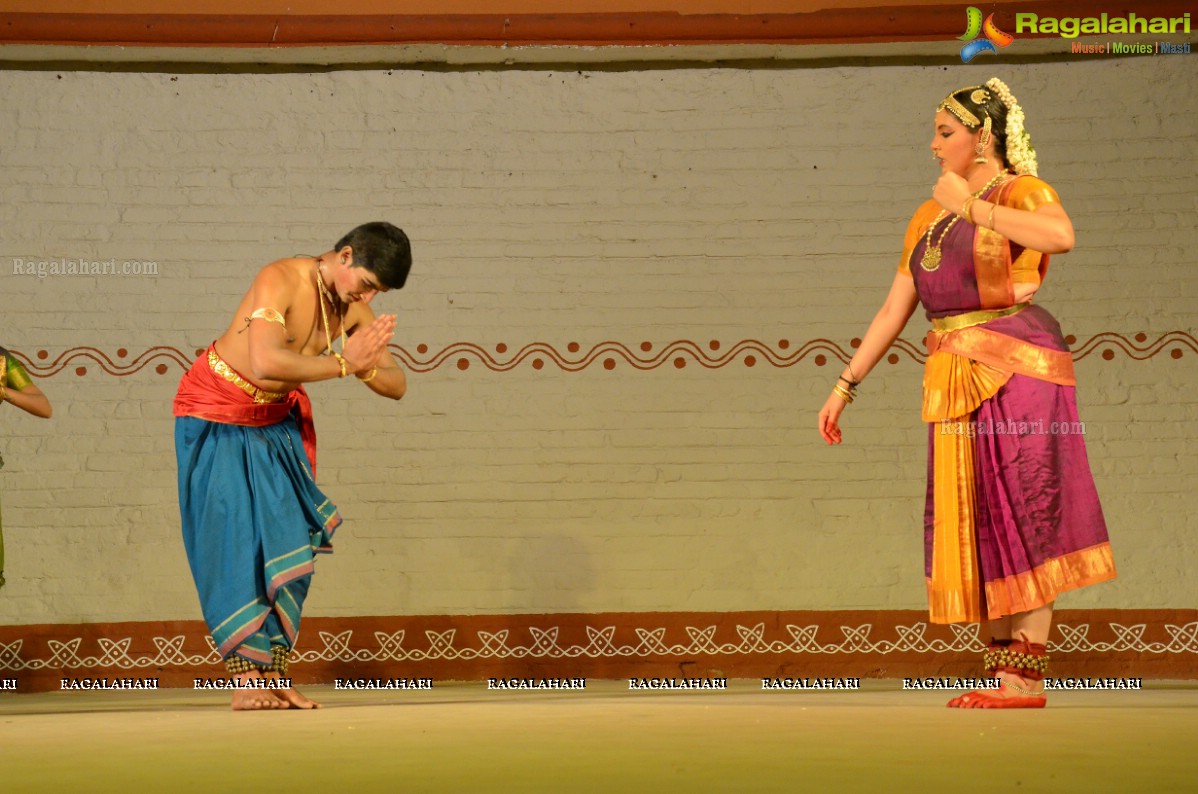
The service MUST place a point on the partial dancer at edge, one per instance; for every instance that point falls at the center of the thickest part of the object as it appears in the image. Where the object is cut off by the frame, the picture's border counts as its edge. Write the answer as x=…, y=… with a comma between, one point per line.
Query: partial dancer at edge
x=16, y=387
x=1012, y=517
x=253, y=518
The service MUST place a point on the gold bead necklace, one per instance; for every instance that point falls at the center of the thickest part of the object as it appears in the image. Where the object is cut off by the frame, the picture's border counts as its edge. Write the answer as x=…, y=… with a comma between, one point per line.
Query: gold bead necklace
x=930, y=261
x=324, y=294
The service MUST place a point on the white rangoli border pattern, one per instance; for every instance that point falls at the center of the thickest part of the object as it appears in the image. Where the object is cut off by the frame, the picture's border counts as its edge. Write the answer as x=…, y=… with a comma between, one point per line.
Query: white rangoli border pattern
x=338, y=647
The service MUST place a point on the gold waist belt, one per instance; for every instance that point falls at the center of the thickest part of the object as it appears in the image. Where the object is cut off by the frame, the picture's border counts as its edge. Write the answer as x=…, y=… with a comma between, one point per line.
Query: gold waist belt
x=958, y=321
x=223, y=370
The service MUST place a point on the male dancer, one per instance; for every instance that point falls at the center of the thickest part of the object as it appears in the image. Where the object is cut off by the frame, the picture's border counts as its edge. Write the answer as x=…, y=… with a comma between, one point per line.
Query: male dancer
x=253, y=518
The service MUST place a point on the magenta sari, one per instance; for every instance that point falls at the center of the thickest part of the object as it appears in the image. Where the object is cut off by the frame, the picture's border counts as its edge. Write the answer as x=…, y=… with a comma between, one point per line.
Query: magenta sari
x=1012, y=516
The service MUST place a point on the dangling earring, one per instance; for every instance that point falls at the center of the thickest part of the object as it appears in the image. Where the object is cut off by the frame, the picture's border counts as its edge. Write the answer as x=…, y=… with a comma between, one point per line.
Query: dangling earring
x=983, y=142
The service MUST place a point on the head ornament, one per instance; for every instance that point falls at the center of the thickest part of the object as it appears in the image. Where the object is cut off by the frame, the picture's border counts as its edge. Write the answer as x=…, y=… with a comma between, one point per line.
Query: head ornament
x=1019, y=152
x=964, y=114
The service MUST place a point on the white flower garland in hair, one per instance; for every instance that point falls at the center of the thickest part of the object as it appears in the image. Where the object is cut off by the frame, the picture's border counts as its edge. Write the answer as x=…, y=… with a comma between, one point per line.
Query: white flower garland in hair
x=1020, y=153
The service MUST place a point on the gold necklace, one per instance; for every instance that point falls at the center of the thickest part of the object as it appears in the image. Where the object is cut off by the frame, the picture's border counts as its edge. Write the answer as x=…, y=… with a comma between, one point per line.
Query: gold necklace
x=324, y=293
x=930, y=261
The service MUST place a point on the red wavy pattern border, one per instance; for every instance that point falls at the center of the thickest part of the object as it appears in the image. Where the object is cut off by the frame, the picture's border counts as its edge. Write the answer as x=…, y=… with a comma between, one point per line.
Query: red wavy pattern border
x=610, y=354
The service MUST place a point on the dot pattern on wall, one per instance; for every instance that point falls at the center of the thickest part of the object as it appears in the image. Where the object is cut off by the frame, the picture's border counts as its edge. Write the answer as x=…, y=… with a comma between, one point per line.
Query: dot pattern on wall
x=608, y=356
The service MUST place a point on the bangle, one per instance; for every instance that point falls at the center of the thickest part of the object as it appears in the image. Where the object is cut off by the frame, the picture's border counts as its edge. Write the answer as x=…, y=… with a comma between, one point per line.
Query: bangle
x=990, y=220
x=851, y=391
x=373, y=371
x=341, y=362
x=967, y=208
x=843, y=393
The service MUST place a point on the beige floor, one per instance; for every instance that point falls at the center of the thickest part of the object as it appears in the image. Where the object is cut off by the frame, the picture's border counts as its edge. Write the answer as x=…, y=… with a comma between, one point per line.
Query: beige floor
x=463, y=738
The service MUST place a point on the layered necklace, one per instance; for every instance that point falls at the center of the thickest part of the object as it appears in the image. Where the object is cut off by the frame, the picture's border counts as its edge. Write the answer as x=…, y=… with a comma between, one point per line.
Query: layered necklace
x=324, y=295
x=930, y=261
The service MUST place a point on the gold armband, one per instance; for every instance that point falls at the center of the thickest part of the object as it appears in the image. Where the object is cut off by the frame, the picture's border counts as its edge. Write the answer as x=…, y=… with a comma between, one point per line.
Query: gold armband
x=270, y=315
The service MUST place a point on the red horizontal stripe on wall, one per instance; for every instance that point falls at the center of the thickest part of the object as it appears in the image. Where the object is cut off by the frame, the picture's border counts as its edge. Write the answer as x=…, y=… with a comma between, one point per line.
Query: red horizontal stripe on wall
x=879, y=23
x=1154, y=643
x=472, y=29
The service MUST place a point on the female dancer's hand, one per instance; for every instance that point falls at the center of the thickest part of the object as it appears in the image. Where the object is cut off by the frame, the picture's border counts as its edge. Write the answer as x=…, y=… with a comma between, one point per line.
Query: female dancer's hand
x=828, y=416
x=950, y=191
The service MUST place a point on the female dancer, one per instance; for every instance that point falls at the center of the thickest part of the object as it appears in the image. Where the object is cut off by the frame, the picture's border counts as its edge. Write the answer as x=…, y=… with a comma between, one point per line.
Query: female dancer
x=1012, y=516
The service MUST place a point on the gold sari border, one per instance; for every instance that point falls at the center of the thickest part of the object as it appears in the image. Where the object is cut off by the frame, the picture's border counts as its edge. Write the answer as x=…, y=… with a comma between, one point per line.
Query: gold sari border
x=996, y=274
x=992, y=261
x=1006, y=353
x=958, y=321
x=955, y=586
x=223, y=370
x=1023, y=592
x=1035, y=588
x=953, y=606
x=955, y=386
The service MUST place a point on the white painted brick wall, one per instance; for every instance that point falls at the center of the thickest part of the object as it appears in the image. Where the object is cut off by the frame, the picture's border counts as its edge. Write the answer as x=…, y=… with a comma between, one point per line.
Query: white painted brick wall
x=558, y=207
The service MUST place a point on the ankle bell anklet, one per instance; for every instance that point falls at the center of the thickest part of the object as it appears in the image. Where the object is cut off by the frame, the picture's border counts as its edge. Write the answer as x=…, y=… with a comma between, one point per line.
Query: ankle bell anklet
x=237, y=665
x=1015, y=660
x=280, y=661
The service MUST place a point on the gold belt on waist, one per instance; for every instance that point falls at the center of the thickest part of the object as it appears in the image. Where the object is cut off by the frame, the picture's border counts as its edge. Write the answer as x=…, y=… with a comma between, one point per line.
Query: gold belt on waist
x=967, y=319
x=260, y=396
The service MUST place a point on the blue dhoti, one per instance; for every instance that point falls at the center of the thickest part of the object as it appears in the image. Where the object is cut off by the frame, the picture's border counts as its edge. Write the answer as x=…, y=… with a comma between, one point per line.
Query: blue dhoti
x=253, y=518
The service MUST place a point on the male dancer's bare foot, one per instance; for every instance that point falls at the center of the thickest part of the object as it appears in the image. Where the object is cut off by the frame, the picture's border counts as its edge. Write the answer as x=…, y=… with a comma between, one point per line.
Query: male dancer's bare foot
x=289, y=698
x=251, y=698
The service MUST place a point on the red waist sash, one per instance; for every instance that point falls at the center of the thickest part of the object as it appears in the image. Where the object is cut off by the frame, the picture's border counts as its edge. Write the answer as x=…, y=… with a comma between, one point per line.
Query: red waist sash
x=228, y=398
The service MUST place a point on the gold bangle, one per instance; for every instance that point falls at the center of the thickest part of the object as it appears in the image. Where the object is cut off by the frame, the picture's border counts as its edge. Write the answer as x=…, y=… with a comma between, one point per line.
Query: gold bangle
x=373, y=371
x=842, y=393
x=990, y=220
x=341, y=362
x=967, y=208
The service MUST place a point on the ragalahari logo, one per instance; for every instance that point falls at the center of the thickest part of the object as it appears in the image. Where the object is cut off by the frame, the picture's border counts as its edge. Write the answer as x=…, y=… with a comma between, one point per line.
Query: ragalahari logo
x=993, y=36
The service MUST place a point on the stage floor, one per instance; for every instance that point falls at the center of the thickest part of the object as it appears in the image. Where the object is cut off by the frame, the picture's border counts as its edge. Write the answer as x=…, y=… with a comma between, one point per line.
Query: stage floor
x=461, y=737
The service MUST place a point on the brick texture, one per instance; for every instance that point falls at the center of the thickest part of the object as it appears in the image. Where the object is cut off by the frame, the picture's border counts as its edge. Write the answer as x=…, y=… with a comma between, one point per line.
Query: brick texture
x=552, y=206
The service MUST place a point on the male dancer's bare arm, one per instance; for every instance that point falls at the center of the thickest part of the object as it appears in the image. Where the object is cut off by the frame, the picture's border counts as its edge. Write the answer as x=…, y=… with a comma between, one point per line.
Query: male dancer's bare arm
x=269, y=357
x=389, y=379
